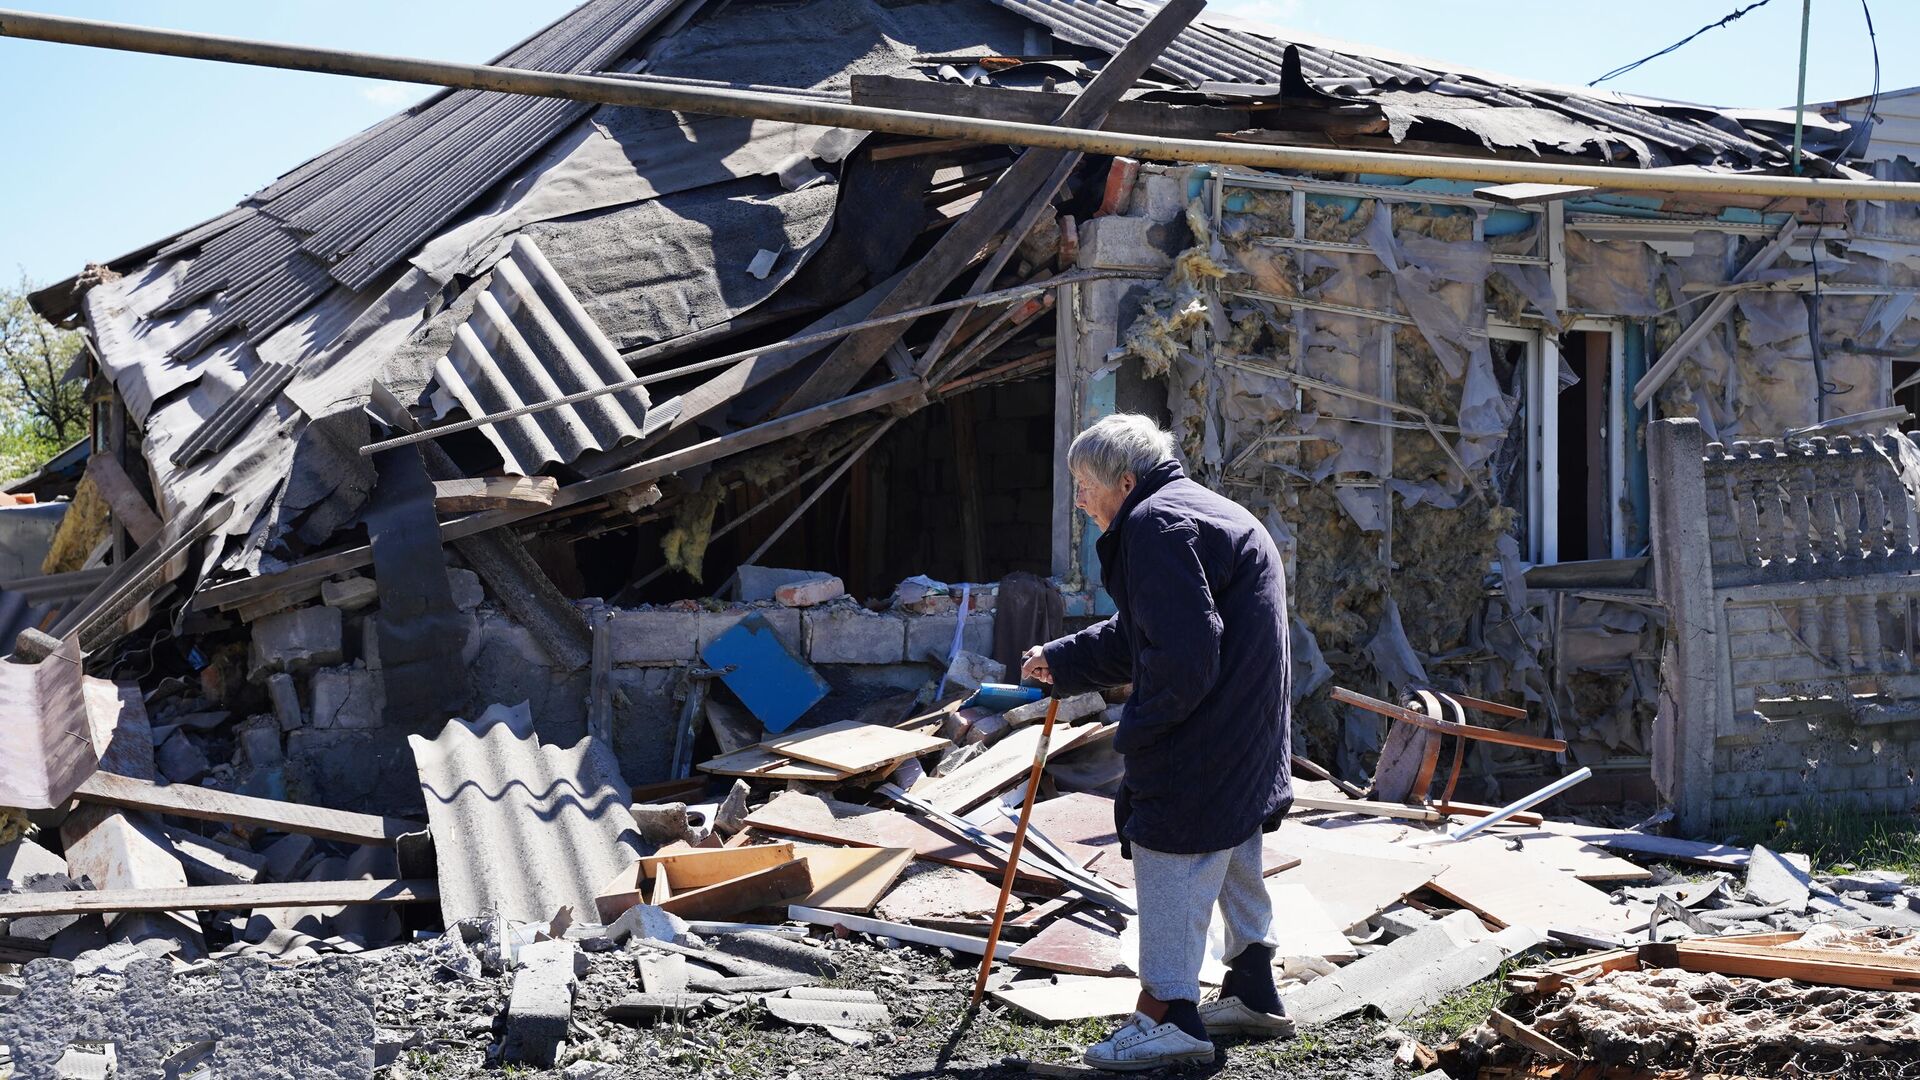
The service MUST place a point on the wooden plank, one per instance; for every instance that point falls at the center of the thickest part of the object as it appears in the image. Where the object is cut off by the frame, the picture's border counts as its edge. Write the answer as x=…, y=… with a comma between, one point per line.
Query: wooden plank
x=493, y=493
x=1530, y=1038
x=852, y=878
x=1011, y=191
x=851, y=746
x=702, y=867
x=206, y=804
x=1005, y=764
x=1027, y=106
x=761, y=763
x=813, y=817
x=1349, y=887
x=750, y=892
x=219, y=897
x=1081, y=943
x=129, y=507
x=1071, y=997
x=1402, y=811
x=1821, y=967
x=917, y=935
x=1515, y=888
x=1721, y=856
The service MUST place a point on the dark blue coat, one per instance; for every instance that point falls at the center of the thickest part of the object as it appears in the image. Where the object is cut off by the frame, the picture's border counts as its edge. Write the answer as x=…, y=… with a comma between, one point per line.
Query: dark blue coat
x=1201, y=633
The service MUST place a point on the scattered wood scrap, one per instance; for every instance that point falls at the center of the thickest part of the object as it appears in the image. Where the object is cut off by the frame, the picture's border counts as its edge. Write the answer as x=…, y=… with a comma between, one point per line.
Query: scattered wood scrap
x=852, y=879
x=293, y=894
x=1065, y=998
x=184, y=800
x=493, y=493
x=851, y=747
x=1003, y=765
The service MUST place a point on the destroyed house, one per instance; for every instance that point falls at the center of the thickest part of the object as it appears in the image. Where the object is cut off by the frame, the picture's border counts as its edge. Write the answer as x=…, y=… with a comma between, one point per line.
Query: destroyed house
x=1633, y=463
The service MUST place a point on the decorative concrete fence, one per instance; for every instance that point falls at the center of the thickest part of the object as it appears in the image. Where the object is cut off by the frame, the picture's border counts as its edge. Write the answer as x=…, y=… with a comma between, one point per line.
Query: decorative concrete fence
x=1788, y=570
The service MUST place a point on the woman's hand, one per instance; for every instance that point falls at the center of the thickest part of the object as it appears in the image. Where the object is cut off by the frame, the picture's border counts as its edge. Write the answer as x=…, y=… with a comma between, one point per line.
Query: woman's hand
x=1035, y=666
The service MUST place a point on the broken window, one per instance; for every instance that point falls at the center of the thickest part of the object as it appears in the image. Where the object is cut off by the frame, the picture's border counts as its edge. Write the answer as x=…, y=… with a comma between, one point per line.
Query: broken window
x=1562, y=479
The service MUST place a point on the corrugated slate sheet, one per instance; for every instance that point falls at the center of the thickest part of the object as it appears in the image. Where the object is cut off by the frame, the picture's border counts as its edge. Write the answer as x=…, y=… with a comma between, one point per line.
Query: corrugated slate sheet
x=1229, y=52
x=529, y=340
x=351, y=214
x=521, y=828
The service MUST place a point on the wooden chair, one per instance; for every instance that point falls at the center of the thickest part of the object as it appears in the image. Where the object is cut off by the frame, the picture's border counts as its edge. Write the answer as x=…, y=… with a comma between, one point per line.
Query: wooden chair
x=1411, y=753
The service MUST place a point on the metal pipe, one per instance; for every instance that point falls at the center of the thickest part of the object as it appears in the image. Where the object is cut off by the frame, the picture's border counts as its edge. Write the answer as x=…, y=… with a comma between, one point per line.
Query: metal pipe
x=729, y=102
x=1522, y=803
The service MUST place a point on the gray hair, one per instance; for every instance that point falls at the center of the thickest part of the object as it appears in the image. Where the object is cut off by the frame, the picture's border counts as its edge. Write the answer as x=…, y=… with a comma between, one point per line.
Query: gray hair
x=1117, y=445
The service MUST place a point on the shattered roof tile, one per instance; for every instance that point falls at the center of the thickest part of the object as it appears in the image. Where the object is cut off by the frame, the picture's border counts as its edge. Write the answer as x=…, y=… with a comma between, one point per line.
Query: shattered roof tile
x=519, y=827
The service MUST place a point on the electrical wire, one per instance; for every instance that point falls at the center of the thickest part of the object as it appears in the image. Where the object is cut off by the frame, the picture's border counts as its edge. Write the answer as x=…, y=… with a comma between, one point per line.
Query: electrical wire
x=1873, y=100
x=1624, y=68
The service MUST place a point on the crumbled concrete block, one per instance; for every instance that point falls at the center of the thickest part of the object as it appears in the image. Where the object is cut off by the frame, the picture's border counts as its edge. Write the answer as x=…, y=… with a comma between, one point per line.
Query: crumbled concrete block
x=988, y=729
x=259, y=742
x=756, y=583
x=785, y=621
x=661, y=823
x=732, y=815
x=286, y=700
x=1072, y=710
x=1129, y=243
x=776, y=951
x=970, y=669
x=347, y=697
x=350, y=594
x=654, y=636
x=468, y=592
x=850, y=634
x=181, y=760
x=210, y=862
x=810, y=592
x=930, y=637
x=286, y=856
x=541, y=1005
x=22, y=859
x=296, y=640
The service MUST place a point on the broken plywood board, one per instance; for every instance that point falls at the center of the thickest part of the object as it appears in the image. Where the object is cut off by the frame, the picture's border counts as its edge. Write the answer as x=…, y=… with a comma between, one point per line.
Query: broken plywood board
x=851, y=878
x=759, y=763
x=1082, y=820
x=1350, y=888
x=1005, y=764
x=852, y=747
x=1301, y=927
x=700, y=867
x=815, y=817
x=1071, y=997
x=183, y=800
x=929, y=891
x=1083, y=942
x=218, y=897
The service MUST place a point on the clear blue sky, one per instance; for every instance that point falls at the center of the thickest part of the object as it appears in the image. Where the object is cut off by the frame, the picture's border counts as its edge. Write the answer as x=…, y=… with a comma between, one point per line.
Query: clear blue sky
x=103, y=152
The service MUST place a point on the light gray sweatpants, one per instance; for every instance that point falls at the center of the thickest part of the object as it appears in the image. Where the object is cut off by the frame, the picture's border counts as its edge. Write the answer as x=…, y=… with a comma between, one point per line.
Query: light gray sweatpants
x=1177, y=894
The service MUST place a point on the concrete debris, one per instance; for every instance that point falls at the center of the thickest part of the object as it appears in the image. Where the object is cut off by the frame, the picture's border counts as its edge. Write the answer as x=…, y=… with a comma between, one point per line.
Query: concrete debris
x=350, y=594
x=1779, y=879
x=810, y=592
x=662, y=823
x=286, y=701
x=296, y=640
x=286, y=858
x=181, y=760
x=731, y=817
x=968, y=671
x=541, y=1007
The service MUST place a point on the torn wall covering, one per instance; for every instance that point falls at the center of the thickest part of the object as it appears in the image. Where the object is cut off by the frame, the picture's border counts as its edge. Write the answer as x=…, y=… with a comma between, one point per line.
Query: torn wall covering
x=1341, y=383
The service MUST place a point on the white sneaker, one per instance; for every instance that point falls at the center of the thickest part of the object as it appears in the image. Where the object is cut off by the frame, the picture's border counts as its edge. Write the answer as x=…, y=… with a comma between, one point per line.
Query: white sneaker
x=1231, y=1016
x=1141, y=1044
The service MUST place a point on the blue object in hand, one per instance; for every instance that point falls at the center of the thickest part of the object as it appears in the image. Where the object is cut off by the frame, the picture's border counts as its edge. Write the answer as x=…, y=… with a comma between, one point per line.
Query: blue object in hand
x=1000, y=697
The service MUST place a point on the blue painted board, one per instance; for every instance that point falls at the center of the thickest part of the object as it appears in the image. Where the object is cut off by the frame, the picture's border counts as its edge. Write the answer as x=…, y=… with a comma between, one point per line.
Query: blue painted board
x=776, y=686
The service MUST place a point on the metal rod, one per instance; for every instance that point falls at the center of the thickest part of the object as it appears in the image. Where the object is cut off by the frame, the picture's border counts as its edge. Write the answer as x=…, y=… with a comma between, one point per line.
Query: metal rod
x=1522, y=803
x=1015, y=292
x=729, y=102
x=813, y=497
x=1019, y=841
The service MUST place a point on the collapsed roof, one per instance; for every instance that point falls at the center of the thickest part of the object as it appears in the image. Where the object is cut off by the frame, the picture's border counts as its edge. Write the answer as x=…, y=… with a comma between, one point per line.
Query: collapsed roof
x=482, y=251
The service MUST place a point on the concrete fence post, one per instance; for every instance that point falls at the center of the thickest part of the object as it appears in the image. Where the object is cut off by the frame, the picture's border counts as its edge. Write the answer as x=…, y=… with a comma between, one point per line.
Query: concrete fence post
x=1690, y=705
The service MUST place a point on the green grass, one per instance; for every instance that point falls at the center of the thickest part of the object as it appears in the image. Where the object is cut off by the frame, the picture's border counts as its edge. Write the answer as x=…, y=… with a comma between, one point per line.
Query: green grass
x=1464, y=1009
x=1837, y=838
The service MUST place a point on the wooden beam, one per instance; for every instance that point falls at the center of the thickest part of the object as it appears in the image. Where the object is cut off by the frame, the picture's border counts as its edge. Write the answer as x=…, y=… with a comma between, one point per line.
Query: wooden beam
x=1491, y=735
x=493, y=493
x=238, y=592
x=220, y=897
x=917, y=935
x=749, y=892
x=206, y=804
x=1530, y=1038
x=1717, y=310
x=1015, y=188
x=1033, y=107
x=130, y=508
x=1821, y=967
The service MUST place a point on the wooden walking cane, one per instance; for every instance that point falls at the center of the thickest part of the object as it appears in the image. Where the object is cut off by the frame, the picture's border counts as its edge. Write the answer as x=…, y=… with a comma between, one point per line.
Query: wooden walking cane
x=1019, y=841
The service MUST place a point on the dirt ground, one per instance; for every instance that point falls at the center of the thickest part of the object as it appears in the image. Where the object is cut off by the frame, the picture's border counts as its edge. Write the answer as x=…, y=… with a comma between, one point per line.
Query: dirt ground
x=934, y=1037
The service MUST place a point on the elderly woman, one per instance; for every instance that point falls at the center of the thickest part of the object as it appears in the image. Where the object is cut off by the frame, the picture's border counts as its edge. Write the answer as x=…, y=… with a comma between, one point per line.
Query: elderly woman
x=1201, y=634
